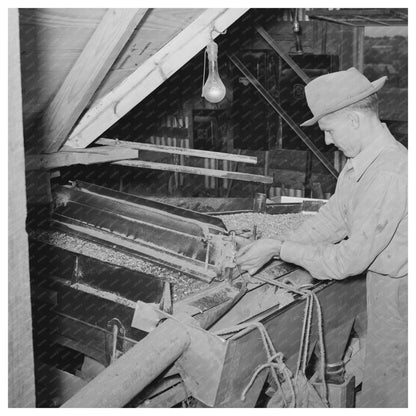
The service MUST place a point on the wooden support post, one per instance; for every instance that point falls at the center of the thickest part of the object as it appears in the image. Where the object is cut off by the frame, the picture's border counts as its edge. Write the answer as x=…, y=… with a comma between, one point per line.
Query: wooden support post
x=89, y=70
x=308, y=174
x=132, y=372
x=266, y=170
x=21, y=367
x=359, y=49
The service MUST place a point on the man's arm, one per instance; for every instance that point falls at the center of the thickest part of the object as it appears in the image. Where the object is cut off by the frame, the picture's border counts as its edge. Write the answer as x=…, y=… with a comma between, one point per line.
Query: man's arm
x=376, y=219
x=328, y=226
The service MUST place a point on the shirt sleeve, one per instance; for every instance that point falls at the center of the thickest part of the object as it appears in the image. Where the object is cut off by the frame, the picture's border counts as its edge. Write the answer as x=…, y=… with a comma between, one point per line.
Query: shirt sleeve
x=375, y=219
x=328, y=225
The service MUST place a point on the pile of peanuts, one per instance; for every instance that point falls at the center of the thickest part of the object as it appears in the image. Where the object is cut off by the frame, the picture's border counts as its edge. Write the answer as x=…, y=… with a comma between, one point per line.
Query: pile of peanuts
x=182, y=285
x=268, y=226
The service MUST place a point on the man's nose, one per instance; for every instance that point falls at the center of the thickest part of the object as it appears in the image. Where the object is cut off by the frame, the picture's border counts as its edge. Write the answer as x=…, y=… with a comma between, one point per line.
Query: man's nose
x=328, y=139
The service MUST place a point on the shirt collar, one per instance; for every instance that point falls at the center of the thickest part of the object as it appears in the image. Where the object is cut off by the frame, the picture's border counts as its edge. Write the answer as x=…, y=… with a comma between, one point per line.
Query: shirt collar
x=360, y=163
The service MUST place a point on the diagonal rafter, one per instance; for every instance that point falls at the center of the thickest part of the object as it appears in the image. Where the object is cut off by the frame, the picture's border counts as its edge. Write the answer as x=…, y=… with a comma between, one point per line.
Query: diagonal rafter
x=92, y=65
x=276, y=107
x=299, y=71
x=153, y=72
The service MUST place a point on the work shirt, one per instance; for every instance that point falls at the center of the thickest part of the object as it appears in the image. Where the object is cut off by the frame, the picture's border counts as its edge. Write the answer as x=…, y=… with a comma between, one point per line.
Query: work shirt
x=364, y=225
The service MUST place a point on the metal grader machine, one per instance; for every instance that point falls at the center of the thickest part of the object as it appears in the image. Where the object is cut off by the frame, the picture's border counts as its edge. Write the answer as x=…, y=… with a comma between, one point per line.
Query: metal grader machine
x=158, y=341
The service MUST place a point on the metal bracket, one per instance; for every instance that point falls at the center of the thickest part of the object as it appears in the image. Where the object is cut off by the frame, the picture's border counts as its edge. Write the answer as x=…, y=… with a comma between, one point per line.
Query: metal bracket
x=115, y=343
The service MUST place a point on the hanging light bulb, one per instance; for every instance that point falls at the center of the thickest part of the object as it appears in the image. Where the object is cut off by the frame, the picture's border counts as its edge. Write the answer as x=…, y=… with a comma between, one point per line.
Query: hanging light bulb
x=214, y=89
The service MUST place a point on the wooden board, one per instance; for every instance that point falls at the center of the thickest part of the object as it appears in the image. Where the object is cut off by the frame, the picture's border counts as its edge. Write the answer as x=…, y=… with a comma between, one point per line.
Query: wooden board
x=185, y=151
x=196, y=171
x=92, y=155
x=20, y=344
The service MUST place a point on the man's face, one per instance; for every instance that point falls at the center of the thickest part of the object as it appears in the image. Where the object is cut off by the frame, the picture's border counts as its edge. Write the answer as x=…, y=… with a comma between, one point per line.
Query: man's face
x=339, y=130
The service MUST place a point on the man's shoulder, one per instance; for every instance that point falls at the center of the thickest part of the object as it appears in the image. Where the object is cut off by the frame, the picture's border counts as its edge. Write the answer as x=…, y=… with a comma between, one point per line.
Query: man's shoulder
x=393, y=159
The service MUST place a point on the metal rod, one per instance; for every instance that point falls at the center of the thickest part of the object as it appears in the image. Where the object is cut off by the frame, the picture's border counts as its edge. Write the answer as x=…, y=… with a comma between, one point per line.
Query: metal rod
x=283, y=114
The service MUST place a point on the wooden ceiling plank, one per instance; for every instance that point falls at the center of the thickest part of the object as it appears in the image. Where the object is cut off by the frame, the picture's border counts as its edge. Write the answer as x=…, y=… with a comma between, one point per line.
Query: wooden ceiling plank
x=89, y=70
x=110, y=108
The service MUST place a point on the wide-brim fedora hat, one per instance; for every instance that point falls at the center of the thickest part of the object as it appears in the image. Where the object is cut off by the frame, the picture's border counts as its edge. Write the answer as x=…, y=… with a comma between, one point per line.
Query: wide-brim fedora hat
x=334, y=91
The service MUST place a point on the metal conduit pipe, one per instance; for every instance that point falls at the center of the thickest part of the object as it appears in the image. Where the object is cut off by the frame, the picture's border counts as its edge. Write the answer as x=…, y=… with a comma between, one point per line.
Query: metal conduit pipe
x=138, y=367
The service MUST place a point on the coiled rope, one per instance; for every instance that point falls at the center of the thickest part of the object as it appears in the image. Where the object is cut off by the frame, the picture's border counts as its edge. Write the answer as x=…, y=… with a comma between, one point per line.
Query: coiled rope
x=274, y=359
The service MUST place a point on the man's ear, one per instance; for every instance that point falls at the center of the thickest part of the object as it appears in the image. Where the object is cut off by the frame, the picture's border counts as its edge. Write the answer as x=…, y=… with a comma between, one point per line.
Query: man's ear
x=354, y=118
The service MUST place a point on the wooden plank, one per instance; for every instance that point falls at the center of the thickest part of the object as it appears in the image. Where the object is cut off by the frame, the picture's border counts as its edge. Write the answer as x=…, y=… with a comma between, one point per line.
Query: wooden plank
x=331, y=20
x=88, y=156
x=110, y=108
x=20, y=343
x=248, y=177
x=62, y=17
x=185, y=151
x=87, y=73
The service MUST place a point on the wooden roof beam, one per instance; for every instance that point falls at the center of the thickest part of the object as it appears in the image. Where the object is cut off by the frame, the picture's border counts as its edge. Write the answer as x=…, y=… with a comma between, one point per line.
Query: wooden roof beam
x=152, y=73
x=86, y=75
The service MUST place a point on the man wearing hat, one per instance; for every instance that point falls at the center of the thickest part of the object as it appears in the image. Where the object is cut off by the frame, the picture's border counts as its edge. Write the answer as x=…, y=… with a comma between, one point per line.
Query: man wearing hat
x=363, y=227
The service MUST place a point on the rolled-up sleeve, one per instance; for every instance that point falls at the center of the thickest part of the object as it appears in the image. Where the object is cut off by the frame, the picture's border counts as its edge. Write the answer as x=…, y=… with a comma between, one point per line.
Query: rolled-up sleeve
x=376, y=216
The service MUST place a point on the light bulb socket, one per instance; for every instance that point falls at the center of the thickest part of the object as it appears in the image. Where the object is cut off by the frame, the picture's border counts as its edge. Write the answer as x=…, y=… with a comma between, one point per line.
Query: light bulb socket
x=212, y=51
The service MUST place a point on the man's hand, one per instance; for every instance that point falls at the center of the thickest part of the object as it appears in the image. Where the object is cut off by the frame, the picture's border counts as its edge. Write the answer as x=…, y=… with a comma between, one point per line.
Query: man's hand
x=255, y=255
